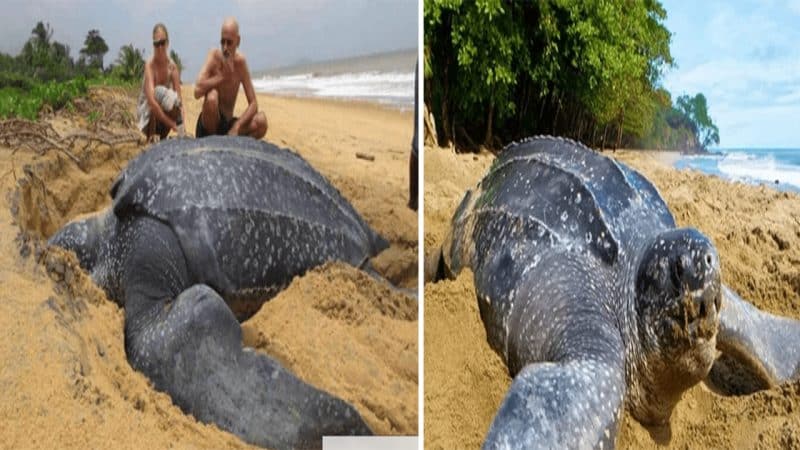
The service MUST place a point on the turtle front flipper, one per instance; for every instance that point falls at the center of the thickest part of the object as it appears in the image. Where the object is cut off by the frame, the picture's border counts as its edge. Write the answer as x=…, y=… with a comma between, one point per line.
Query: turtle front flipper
x=765, y=346
x=566, y=355
x=189, y=344
x=576, y=404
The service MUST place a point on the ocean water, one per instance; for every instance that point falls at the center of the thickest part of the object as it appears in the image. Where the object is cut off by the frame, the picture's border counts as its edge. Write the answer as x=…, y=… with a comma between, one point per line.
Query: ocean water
x=386, y=78
x=755, y=166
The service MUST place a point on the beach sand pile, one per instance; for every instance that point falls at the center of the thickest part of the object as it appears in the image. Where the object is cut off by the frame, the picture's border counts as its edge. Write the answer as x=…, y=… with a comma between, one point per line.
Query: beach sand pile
x=64, y=375
x=757, y=233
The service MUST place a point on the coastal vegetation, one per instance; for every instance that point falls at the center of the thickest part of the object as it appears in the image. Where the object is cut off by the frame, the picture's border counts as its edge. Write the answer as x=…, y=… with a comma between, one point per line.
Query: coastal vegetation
x=496, y=71
x=43, y=76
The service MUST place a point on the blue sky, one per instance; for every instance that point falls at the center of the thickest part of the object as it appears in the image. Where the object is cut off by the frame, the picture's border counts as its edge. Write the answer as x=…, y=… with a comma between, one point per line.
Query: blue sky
x=274, y=33
x=744, y=56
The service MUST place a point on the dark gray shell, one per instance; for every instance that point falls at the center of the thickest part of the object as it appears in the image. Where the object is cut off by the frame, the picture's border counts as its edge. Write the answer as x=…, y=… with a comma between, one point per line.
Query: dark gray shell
x=249, y=215
x=554, y=193
x=553, y=199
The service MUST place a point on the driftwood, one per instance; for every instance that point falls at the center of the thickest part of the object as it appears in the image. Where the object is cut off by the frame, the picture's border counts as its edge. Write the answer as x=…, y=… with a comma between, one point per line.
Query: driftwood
x=12, y=172
x=430, y=128
x=41, y=137
x=38, y=136
x=365, y=156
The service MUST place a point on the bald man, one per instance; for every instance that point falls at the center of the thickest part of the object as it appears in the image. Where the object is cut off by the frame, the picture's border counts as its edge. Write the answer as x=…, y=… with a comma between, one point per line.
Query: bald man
x=224, y=71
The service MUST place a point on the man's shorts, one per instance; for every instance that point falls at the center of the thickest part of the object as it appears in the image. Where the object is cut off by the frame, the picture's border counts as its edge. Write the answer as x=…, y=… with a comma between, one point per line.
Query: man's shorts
x=223, y=126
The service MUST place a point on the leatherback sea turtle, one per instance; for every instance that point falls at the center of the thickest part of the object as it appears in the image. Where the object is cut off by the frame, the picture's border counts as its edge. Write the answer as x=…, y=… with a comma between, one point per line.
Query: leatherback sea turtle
x=200, y=233
x=595, y=300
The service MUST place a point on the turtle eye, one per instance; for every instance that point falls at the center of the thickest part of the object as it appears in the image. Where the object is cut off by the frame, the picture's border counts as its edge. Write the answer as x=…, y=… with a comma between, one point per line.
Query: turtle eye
x=709, y=260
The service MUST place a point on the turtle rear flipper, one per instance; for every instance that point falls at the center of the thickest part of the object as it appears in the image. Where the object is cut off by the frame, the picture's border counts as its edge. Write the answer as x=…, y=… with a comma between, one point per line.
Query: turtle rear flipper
x=189, y=343
x=765, y=346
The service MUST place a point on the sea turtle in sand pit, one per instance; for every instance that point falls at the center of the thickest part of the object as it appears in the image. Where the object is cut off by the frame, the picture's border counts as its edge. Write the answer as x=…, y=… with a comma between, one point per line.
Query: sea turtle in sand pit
x=200, y=234
x=595, y=300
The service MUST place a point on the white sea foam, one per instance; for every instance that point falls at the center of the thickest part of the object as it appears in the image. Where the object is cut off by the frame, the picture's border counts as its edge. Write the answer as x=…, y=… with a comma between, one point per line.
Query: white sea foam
x=756, y=168
x=394, y=88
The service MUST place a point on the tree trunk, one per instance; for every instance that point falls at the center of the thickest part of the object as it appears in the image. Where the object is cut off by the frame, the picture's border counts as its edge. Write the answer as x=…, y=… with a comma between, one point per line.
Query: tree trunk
x=572, y=122
x=522, y=111
x=465, y=136
x=446, y=120
x=487, y=140
x=555, y=116
x=619, y=132
x=603, y=141
x=541, y=112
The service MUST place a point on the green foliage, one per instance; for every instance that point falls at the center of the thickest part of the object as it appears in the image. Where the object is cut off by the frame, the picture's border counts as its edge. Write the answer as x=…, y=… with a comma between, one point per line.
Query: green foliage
x=683, y=126
x=43, y=58
x=44, y=75
x=477, y=45
x=15, y=102
x=57, y=95
x=696, y=111
x=94, y=47
x=582, y=68
x=9, y=79
x=130, y=64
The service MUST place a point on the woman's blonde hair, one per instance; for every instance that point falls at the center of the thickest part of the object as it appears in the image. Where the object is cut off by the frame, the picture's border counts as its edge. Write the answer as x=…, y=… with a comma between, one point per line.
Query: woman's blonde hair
x=163, y=28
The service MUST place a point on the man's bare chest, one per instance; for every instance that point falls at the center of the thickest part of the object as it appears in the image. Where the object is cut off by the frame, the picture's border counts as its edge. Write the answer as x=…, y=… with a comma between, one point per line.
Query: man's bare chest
x=229, y=87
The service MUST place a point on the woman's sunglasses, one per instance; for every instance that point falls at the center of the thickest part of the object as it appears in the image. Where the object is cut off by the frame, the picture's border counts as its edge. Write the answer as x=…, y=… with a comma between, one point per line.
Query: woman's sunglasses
x=160, y=43
x=226, y=42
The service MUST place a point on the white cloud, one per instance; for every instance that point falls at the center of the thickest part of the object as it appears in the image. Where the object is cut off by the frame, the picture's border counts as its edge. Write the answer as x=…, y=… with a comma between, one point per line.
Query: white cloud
x=143, y=8
x=793, y=6
x=746, y=61
x=758, y=127
x=793, y=97
x=737, y=78
x=731, y=31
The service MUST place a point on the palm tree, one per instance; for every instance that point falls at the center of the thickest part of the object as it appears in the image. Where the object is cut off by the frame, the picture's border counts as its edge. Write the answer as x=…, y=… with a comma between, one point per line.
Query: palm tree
x=36, y=49
x=42, y=34
x=130, y=63
x=173, y=55
x=94, y=47
x=45, y=58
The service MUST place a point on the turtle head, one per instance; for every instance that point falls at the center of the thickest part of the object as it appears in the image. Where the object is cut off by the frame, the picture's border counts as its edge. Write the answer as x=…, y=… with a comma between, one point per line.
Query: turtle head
x=84, y=237
x=678, y=299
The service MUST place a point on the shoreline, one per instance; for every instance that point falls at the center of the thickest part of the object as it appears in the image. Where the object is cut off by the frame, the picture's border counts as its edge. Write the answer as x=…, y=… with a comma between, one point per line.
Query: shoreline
x=778, y=172
x=361, y=103
x=382, y=61
x=353, y=101
x=264, y=98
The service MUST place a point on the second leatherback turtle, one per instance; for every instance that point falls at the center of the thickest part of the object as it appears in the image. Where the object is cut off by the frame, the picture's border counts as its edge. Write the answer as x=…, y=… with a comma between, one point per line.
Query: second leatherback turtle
x=200, y=234
x=595, y=300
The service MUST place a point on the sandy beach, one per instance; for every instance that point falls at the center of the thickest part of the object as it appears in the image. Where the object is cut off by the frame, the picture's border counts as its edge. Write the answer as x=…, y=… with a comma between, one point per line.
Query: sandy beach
x=757, y=233
x=65, y=379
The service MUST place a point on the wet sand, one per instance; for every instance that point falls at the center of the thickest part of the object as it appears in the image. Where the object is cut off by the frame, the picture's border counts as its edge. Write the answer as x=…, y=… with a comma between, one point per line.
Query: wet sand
x=65, y=380
x=757, y=233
